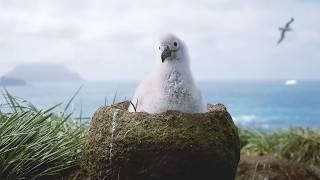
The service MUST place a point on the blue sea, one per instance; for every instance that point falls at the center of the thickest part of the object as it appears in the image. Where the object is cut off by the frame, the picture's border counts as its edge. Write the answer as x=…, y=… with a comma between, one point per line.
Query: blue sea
x=253, y=104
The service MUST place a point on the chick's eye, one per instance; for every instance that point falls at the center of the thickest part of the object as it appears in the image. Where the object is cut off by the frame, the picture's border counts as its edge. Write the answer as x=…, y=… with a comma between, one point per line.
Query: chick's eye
x=159, y=47
x=175, y=44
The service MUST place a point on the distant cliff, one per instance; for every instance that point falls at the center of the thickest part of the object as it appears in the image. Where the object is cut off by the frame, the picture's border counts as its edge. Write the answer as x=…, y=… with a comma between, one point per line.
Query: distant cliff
x=43, y=72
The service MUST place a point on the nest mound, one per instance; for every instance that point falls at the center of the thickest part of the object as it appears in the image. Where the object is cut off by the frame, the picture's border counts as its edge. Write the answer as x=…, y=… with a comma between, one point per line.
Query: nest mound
x=165, y=146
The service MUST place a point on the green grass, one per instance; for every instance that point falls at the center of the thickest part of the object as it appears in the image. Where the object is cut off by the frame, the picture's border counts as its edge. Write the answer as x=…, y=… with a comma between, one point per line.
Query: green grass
x=295, y=144
x=36, y=143
x=41, y=144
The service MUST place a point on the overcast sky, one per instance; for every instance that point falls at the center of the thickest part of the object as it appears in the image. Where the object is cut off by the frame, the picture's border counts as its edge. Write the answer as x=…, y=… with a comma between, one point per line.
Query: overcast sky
x=116, y=40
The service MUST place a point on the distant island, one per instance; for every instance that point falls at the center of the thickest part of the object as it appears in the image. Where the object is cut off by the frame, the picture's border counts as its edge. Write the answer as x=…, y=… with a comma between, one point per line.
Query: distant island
x=7, y=81
x=42, y=72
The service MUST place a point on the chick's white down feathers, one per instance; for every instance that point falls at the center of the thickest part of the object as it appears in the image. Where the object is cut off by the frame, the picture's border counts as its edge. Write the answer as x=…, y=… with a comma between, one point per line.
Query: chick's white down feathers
x=170, y=86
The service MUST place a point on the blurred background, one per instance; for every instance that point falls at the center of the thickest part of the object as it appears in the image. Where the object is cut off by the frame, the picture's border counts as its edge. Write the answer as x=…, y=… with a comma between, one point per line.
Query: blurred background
x=48, y=49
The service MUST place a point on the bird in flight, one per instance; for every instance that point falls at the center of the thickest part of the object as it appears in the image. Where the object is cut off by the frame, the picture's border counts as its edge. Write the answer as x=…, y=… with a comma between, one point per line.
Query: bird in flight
x=284, y=30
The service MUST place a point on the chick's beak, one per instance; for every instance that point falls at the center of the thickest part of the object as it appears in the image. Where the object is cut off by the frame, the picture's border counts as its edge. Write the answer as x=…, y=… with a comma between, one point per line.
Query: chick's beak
x=165, y=54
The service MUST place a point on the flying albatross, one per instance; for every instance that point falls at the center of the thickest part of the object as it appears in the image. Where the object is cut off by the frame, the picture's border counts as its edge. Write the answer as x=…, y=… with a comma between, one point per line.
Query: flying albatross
x=284, y=30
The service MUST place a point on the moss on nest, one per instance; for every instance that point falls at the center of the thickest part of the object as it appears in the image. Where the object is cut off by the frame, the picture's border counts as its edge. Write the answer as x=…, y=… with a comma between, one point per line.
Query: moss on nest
x=170, y=145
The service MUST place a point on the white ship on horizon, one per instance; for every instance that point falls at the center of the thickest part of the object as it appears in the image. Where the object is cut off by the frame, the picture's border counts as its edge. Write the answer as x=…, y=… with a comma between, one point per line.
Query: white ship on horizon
x=291, y=82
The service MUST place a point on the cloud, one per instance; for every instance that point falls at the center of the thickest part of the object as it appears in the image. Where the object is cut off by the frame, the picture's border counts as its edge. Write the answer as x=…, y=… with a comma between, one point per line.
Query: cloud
x=226, y=39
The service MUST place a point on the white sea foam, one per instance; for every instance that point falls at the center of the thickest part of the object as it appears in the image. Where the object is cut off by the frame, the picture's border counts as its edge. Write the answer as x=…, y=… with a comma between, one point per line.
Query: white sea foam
x=250, y=120
x=245, y=119
x=265, y=126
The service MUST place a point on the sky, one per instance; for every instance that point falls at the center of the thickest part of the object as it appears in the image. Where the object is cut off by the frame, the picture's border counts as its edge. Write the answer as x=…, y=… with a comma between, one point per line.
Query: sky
x=113, y=40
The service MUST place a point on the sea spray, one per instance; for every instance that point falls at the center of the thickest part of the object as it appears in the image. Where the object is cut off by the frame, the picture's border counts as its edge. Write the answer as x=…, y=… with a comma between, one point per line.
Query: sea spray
x=113, y=128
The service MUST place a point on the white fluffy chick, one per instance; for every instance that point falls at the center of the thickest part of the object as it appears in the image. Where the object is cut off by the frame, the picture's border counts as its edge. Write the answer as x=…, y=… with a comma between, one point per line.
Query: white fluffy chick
x=170, y=86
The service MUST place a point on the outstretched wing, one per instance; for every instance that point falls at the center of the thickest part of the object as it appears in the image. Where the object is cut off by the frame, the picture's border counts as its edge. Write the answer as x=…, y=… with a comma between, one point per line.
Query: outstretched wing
x=288, y=24
x=283, y=33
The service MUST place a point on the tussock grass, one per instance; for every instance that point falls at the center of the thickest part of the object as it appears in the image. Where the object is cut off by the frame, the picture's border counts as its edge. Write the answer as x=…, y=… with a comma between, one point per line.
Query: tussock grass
x=41, y=144
x=296, y=144
x=36, y=143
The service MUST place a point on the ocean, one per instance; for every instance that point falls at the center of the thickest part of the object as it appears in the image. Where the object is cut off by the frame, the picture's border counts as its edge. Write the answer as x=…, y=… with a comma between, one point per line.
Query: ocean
x=252, y=104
